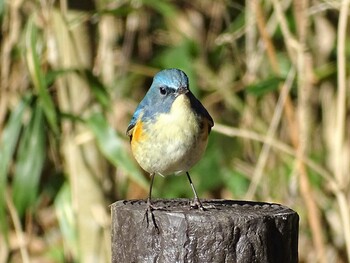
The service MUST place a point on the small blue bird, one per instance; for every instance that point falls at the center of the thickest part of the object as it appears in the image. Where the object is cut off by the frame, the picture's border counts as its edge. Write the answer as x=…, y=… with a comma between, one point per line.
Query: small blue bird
x=169, y=129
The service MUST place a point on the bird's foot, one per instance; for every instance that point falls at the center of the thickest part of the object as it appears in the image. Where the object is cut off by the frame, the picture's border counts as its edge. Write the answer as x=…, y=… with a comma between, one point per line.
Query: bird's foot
x=149, y=216
x=197, y=204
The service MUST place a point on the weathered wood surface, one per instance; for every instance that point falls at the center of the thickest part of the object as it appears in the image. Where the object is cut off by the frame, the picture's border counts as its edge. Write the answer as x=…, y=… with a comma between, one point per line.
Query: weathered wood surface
x=228, y=231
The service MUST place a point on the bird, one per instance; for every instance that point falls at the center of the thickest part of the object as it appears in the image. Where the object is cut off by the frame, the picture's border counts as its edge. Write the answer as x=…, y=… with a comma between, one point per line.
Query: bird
x=169, y=130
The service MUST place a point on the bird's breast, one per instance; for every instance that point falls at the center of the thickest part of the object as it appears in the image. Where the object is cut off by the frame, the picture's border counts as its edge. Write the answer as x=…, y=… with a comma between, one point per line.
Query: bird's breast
x=170, y=142
x=180, y=121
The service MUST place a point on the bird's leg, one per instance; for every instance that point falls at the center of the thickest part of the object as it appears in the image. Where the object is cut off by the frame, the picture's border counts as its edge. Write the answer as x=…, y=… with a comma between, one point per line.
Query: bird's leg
x=196, y=203
x=150, y=207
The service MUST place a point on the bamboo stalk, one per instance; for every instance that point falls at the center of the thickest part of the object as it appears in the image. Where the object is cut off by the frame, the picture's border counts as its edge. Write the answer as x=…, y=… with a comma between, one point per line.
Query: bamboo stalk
x=304, y=70
x=341, y=120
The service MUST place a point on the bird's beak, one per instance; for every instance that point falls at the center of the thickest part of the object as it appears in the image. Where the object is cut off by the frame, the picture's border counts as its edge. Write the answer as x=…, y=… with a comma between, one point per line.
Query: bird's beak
x=182, y=90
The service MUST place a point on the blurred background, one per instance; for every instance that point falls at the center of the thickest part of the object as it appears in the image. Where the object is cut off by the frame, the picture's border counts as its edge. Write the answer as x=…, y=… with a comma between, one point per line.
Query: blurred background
x=273, y=74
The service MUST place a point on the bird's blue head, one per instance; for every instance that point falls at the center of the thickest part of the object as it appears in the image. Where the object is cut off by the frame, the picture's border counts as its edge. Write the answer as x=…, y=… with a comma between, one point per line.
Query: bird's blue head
x=171, y=78
x=169, y=93
x=167, y=85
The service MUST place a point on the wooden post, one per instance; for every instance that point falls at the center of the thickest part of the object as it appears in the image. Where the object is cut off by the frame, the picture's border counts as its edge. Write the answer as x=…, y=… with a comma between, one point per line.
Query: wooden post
x=227, y=231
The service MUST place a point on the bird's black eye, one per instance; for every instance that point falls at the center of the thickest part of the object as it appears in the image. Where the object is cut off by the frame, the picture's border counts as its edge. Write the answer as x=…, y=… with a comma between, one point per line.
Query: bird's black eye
x=162, y=90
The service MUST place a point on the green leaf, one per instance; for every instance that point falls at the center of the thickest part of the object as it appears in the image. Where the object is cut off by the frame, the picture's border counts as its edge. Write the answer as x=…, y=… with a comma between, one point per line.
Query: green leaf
x=163, y=7
x=236, y=182
x=112, y=146
x=325, y=71
x=2, y=9
x=29, y=163
x=38, y=76
x=98, y=89
x=262, y=87
x=66, y=219
x=8, y=144
x=51, y=75
x=237, y=24
x=120, y=11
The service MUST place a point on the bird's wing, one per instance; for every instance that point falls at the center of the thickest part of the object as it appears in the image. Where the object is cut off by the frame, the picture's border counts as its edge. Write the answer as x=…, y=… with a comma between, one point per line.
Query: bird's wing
x=209, y=119
x=200, y=110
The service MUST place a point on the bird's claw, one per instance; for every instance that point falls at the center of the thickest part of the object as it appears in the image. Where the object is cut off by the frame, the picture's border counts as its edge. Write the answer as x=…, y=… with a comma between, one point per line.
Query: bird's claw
x=149, y=212
x=197, y=204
